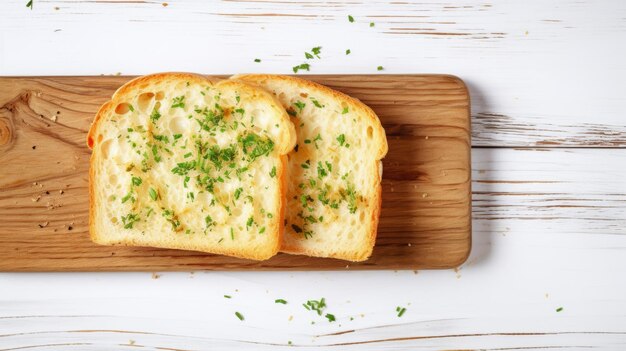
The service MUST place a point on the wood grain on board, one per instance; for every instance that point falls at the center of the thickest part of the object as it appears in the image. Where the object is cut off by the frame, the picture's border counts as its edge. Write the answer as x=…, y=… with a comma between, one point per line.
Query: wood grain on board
x=426, y=215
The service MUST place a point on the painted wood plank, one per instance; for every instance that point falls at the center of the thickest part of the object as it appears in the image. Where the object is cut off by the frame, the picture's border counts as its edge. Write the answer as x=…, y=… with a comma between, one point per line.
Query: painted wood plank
x=561, y=244
x=537, y=72
x=425, y=219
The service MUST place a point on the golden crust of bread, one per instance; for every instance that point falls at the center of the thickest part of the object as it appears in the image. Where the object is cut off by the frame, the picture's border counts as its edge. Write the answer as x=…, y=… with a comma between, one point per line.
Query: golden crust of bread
x=284, y=142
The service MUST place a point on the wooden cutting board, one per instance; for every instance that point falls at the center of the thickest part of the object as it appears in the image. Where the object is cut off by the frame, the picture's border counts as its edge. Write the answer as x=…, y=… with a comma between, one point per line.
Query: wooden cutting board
x=426, y=212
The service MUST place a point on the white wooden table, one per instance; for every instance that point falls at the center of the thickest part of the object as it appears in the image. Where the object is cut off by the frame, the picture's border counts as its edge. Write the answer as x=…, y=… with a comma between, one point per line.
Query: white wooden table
x=548, y=265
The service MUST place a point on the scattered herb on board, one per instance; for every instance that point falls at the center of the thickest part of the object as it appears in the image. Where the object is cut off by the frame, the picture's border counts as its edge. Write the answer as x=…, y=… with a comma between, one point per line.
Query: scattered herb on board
x=30, y=4
x=330, y=317
x=239, y=315
x=559, y=309
x=257, y=60
x=400, y=311
x=372, y=24
x=280, y=301
x=351, y=19
x=380, y=68
x=348, y=52
x=227, y=296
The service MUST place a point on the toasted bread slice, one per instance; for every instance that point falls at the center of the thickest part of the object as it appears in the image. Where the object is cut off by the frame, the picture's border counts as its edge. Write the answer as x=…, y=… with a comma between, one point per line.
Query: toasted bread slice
x=334, y=173
x=182, y=162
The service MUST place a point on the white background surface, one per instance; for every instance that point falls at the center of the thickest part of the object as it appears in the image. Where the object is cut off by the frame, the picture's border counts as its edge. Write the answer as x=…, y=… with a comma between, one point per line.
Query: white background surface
x=548, y=84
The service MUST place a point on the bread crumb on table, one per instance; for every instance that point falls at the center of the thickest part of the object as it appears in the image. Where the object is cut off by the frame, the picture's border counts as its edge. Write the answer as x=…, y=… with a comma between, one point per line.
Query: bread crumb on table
x=155, y=275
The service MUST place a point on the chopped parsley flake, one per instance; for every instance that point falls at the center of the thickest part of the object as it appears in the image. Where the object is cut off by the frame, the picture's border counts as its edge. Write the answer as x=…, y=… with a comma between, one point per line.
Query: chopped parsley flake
x=136, y=181
x=400, y=311
x=321, y=172
x=273, y=172
x=559, y=309
x=153, y=194
x=348, y=52
x=350, y=18
x=345, y=110
x=351, y=198
x=280, y=301
x=257, y=61
x=178, y=101
x=372, y=24
x=161, y=138
x=380, y=68
x=300, y=105
x=316, y=51
x=227, y=296
x=331, y=318
x=249, y=222
x=239, y=315
x=209, y=221
x=184, y=167
x=255, y=146
x=238, y=193
x=315, y=305
x=304, y=66
x=128, y=197
x=171, y=217
x=316, y=103
x=318, y=137
x=341, y=139
x=129, y=220
x=29, y=4
x=262, y=230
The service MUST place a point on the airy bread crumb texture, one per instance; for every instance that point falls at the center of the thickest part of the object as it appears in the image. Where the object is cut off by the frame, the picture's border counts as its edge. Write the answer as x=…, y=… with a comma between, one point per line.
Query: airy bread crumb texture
x=334, y=172
x=182, y=162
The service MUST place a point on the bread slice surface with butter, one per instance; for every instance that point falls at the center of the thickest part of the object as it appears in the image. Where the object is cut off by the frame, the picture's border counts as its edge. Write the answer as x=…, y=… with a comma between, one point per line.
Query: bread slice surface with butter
x=183, y=162
x=334, y=174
